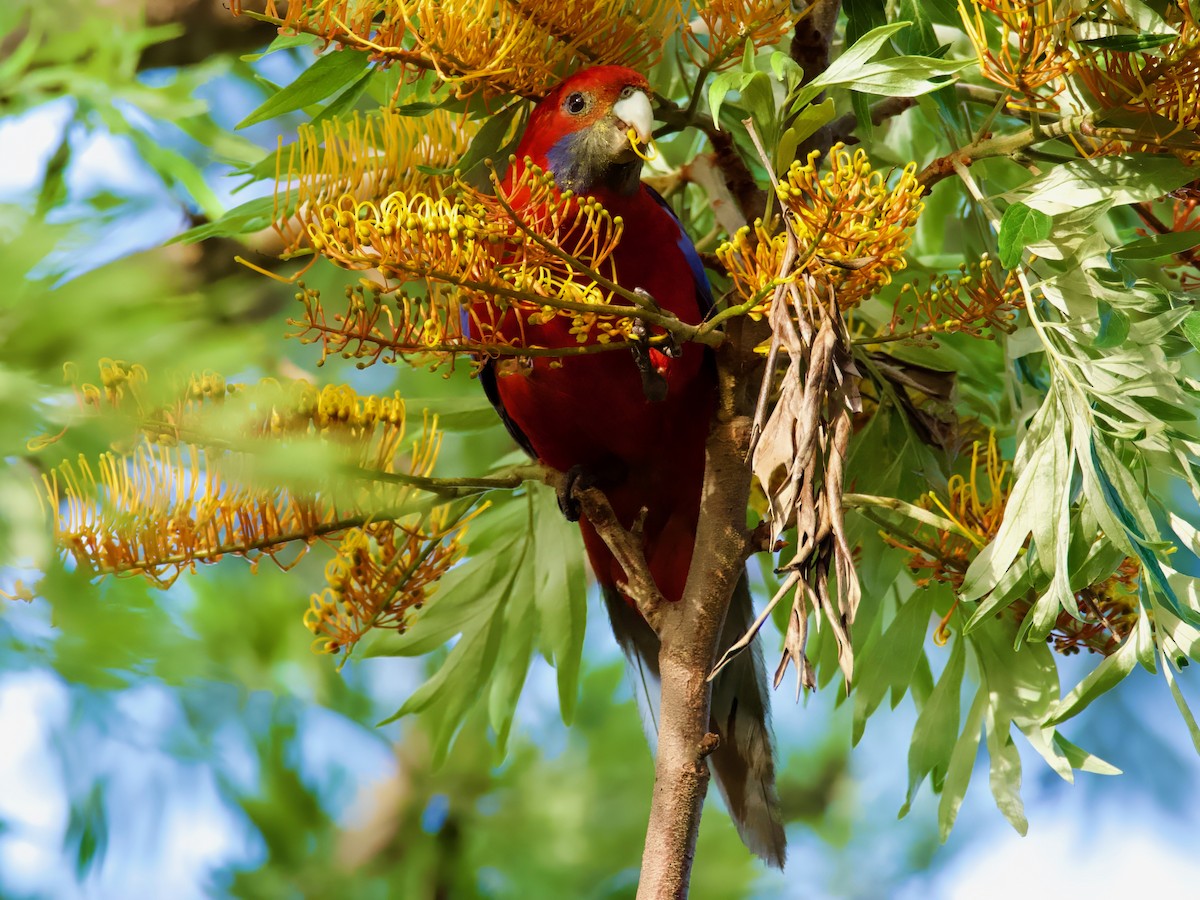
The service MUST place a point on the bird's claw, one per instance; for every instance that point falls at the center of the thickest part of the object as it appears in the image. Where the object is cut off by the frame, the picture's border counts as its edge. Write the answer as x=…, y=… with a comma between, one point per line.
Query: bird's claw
x=575, y=477
x=654, y=382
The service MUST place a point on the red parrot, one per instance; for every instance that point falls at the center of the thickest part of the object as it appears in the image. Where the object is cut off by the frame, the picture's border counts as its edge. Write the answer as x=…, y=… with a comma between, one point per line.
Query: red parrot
x=591, y=416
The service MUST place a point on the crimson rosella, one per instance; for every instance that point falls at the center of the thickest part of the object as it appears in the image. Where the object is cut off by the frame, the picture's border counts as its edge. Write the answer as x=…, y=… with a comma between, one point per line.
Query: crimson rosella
x=592, y=414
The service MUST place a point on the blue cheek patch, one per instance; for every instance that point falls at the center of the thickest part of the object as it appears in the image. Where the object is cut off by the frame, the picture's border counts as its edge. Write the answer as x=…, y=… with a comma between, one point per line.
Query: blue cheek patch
x=561, y=155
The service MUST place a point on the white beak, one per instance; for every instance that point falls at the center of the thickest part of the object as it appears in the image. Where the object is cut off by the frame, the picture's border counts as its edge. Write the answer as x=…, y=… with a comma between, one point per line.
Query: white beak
x=635, y=111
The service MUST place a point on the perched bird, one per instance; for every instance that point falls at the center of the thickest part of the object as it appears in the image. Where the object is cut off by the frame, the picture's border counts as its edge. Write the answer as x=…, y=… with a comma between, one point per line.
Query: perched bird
x=593, y=415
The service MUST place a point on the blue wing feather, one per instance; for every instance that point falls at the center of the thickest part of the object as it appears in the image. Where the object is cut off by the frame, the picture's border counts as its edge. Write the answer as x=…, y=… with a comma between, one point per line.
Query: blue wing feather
x=684, y=243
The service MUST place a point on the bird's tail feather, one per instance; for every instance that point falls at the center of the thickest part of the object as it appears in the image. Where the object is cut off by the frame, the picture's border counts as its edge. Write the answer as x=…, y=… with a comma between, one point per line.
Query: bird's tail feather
x=743, y=765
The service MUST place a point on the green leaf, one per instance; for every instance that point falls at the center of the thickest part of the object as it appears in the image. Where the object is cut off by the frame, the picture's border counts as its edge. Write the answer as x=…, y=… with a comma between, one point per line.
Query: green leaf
x=1191, y=328
x=512, y=662
x=454, y=688
x=1157, y=245
x=560, y=592
x=282, y=42
x=1128, y=43
x=345, y=101
x=804, y=126
x=1188, y=718
x=1133, y=178
x=1103, y=678
x=461, y=413
x=722, y=85
x=920, y=38
x=1083, y=760
x=936, y=731
x=1021, y=226
x=324, y=78
x=962, y=764
x=1114, y=327
x=487, y=141
x=1024, y=506
x=896, y=658
x=1005, y=771
x=246, y=218
x=905, y=76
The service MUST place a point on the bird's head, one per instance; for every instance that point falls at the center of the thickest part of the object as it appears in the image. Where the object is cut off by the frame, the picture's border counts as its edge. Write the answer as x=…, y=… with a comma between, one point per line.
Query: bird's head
x=581, y=130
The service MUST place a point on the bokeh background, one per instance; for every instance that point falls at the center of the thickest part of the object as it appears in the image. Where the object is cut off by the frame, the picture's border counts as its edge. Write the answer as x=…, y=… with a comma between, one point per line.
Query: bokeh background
x=189, y=743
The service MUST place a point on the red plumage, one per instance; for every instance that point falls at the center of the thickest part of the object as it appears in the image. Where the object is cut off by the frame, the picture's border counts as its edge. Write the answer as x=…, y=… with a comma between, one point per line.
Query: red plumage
x=591, y=411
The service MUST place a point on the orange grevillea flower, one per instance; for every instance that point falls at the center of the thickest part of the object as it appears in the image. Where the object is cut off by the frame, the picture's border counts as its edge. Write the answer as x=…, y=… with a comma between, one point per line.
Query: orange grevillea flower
x=973, y=303
x=721, y=28
x=1030, y=52
x=1154, y=93
x=851, y=228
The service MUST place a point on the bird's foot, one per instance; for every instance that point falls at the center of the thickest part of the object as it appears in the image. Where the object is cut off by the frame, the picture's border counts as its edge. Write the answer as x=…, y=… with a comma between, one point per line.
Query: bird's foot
x=575, y=477
x=652, y=362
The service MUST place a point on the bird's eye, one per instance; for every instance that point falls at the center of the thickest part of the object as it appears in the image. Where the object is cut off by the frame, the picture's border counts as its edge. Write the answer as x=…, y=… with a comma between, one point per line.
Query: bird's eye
x=627, y=92
x=576, y=103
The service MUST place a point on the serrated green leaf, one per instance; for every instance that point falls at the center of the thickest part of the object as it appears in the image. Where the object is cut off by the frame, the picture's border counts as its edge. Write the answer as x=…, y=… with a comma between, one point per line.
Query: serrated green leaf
x=324, y=78
x=1020, y=226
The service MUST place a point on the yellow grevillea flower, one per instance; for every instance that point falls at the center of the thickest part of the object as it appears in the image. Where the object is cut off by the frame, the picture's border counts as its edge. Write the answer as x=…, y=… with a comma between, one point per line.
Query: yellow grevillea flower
x=181, y=496
x=529, y=251
x=382, y=573
x=975, y=504
x=850, y=224
x=494, y=46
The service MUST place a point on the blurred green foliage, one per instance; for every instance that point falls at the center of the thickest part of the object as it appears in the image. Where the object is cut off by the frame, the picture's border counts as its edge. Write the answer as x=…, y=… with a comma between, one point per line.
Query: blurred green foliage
x=226, y=651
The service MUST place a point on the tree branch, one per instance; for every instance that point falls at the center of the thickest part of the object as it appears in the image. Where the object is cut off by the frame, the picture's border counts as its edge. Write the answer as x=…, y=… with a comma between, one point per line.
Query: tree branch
x=629, y=549
x=690, y=629
x=1004, y=145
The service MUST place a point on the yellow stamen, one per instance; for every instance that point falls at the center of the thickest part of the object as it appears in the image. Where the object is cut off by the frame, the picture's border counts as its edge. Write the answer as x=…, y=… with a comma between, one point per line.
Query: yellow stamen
x=635, y=142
